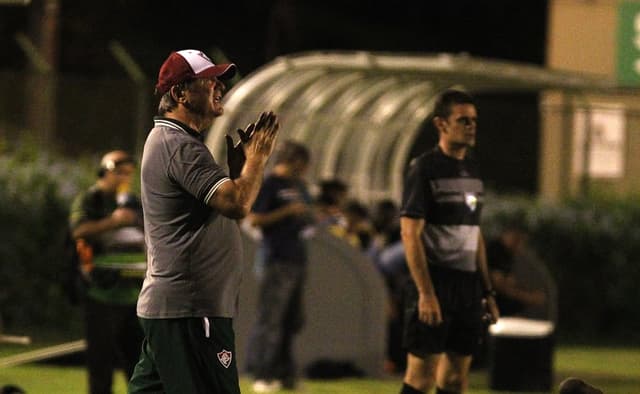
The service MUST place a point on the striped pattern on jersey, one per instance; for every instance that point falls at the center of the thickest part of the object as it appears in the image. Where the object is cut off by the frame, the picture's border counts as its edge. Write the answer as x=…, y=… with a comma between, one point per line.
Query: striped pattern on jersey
x=448, y=194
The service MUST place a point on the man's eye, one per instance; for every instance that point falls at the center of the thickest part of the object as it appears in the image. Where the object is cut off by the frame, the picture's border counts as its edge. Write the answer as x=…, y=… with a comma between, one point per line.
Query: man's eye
x=465, y=120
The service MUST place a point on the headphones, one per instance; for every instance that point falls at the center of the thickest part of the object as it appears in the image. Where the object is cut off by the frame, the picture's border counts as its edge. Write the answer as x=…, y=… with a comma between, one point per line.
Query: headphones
x=110, y=165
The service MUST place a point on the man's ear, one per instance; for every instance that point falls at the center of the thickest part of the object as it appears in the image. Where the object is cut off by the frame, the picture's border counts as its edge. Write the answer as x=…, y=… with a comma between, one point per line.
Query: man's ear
x=177, y=93
x=439, y=124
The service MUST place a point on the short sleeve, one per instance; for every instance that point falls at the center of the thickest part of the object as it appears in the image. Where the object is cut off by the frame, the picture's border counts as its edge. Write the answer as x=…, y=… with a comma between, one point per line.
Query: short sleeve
x=414, y=192
x=78, y=213
x=192, y=166
x=86, y=207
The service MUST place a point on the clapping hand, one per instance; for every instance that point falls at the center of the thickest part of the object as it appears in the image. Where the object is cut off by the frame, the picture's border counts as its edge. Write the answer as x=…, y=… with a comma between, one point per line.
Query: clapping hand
x=235, y=151
x=264, y=135
x=266, y=128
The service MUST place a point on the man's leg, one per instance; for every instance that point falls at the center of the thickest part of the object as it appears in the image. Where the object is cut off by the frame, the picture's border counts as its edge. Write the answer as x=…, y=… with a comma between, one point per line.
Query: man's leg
x=253, y=351
x=278, y=286
x=191, y=355
x=293, y=323
x=453, y=373
x=129, y=338
x=100, y=346
x=464, y=334
x=420, y=374
x=145, y=378
x=424, y=345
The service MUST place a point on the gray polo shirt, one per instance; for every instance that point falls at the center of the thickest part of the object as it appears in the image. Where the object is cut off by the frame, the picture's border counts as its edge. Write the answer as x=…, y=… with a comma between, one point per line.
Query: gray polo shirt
x=194, y=254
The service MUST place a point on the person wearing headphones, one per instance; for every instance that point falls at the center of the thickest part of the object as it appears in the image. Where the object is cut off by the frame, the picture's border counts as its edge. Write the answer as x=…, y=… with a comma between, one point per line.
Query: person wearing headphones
x=106, y=224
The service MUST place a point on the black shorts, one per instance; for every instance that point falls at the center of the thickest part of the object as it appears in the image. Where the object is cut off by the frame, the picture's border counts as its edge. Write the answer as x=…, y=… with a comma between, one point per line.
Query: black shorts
x=460, y=296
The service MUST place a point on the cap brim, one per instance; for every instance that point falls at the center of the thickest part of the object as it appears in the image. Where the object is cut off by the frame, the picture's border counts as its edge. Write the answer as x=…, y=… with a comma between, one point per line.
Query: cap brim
x=220, y=71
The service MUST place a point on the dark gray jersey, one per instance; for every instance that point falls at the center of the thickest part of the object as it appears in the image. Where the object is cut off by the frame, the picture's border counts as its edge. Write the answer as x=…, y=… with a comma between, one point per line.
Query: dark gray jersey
x=448, y=194
x=194, y=254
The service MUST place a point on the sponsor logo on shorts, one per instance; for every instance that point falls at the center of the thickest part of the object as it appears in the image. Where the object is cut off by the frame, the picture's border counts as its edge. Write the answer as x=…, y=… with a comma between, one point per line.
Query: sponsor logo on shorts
x=225, y=357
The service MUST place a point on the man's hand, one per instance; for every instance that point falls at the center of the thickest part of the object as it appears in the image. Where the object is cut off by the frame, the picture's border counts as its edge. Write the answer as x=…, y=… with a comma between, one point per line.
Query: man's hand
x=124, y=217
x=429, y=310
x=262, y=140
x=235, y=151
x=296, y=209
x=492, y=314
x=265, y=130
x=247, y=133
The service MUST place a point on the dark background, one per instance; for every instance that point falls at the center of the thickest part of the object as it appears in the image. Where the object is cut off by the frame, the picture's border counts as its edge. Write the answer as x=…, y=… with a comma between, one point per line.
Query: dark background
x=251, y=33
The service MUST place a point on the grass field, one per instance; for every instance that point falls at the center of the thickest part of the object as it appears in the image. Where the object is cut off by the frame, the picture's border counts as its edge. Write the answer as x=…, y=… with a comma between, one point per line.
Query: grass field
x=615, y=370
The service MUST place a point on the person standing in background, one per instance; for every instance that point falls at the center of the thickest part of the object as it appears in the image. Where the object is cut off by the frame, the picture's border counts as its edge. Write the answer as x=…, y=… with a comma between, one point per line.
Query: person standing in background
x=445, y=252
x=512, y=296
x=106, y=224
x=281, y=211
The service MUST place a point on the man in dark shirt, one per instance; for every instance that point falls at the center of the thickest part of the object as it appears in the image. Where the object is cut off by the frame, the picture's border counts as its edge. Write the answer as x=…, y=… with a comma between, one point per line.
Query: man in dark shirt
x=281, y=211
x=440, y=217
x=106, y=224
x=512, y=296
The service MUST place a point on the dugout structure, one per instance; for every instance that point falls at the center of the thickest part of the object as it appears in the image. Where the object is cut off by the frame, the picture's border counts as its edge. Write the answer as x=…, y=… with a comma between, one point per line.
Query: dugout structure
x=361, y=113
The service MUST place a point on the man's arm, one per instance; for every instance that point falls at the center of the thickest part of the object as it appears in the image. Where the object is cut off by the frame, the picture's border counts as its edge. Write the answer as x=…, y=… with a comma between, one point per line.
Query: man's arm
x=428, y=305
x=234, y=198
x=118, y=218
x=507, y=285
x=483, y=269
x=266, y=219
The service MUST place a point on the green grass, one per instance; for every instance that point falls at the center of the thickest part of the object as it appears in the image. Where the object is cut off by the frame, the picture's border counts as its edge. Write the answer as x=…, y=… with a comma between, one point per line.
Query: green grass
x=615, y=370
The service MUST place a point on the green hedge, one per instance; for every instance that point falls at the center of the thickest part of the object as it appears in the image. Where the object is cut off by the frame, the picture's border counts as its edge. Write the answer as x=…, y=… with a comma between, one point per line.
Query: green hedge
x=592, y=248
x=35, y=193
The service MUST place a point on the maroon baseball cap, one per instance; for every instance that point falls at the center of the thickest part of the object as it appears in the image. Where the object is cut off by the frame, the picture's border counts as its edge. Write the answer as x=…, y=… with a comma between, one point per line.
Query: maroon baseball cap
x=188, y=64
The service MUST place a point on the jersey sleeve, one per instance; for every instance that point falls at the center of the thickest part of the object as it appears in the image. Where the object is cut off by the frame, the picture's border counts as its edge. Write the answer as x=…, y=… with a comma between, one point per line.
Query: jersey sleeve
x=83, y=209
x=78, y=212
x=192, y=166
x=414, y=192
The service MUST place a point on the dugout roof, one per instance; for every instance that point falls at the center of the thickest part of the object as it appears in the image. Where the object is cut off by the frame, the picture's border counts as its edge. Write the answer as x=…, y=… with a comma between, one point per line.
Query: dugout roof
x=360, y=112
